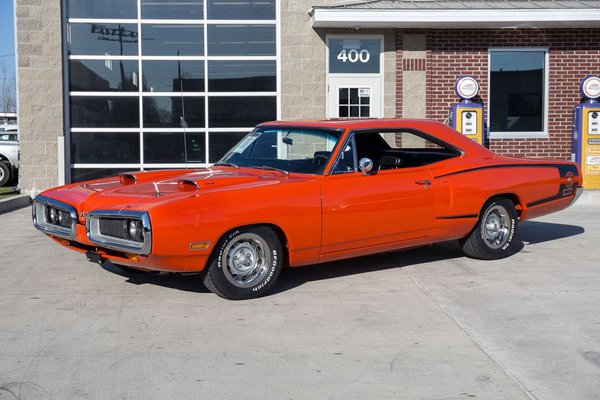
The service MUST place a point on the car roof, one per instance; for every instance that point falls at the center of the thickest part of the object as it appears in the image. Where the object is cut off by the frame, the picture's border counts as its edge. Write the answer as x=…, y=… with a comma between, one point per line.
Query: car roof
x=437, y=129
x=347, y=122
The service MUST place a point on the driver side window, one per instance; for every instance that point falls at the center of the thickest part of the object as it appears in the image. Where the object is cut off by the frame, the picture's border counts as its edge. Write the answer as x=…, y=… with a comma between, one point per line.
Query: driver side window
x=393, y=149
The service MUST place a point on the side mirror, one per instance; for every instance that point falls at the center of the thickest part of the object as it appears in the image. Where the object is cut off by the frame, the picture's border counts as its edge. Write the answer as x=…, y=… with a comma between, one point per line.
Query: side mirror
x=365, y=165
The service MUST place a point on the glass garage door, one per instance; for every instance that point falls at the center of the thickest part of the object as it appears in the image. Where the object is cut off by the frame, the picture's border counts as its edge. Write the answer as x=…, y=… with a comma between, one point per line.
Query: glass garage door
x=158, y=84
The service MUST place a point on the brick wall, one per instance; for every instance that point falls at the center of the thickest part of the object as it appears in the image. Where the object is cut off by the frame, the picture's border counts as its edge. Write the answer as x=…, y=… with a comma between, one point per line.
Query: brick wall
x=573, y=53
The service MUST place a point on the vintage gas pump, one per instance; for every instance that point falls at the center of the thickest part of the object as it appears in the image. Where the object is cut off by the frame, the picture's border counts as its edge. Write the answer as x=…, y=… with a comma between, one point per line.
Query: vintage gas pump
x=586, y=132
x=468, y=117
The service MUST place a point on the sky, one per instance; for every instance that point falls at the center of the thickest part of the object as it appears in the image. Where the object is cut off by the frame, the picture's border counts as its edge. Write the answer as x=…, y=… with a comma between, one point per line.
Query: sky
x=7, y=38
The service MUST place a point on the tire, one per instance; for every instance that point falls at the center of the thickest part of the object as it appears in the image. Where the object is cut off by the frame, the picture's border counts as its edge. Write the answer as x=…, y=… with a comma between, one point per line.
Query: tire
x=493, y=236
x=246, y=263
x=4, y=174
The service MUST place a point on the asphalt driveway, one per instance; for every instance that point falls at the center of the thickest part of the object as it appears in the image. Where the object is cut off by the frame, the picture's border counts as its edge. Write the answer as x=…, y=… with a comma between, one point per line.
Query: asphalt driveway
x=421, y=324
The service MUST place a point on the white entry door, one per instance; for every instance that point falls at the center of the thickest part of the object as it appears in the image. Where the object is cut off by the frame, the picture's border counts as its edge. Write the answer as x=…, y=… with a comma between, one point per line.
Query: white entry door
x=354, y=97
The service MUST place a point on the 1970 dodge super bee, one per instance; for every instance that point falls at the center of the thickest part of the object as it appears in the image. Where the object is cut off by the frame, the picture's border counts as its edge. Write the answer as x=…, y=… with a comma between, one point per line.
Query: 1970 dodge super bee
x=305, y=192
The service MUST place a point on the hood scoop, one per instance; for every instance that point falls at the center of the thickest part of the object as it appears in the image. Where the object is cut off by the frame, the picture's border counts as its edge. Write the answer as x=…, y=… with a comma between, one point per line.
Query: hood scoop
x=127, y=179
x=187, y=185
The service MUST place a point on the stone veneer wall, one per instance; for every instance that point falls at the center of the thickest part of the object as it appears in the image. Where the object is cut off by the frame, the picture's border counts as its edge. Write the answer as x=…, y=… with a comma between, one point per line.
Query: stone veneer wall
x=303, y=73
x=40, y=92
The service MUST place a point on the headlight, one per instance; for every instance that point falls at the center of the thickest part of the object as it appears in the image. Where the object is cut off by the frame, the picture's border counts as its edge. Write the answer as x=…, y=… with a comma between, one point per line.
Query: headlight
x=54, y=217
x=133, y=230
x=127, y=231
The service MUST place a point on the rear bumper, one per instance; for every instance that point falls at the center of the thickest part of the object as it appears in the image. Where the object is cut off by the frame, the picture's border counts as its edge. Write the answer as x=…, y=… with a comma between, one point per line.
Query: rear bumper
x=578, y=193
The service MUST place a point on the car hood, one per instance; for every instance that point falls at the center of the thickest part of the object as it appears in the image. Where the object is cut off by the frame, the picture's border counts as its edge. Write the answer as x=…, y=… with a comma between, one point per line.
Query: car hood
x=142, y=191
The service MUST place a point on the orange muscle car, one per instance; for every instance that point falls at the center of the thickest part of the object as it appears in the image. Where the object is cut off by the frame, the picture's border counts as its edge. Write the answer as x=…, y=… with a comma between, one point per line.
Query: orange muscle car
x=305, y=192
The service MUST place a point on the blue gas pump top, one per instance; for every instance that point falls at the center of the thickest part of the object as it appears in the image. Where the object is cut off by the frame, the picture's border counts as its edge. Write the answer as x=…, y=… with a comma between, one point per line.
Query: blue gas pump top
x=590, y=88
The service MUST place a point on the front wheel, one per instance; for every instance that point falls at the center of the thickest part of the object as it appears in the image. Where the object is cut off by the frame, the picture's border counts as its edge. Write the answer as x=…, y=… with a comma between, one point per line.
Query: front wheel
x=493, y=236
x=246, y=264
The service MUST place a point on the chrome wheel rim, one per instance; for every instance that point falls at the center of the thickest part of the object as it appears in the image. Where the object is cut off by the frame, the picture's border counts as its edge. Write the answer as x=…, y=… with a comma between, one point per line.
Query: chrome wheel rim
x=496, y=227
x=1, y=174
x=246, y=260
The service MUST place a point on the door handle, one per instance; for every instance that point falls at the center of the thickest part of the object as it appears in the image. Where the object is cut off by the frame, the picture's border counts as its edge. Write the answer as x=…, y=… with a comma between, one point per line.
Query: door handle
x=423, y=182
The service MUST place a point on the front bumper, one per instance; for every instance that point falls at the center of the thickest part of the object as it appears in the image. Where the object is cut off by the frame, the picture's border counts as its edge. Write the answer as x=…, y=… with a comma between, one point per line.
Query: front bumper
x=77, y=237
x=90, y=234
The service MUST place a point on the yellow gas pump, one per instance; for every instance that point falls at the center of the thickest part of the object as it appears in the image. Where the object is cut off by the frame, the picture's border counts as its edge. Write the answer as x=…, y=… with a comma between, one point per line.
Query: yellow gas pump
x=467, y=117
x=586, y=132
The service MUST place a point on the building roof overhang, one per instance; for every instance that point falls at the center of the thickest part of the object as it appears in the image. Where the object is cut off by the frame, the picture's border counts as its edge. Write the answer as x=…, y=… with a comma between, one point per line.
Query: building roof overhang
x=449, y=14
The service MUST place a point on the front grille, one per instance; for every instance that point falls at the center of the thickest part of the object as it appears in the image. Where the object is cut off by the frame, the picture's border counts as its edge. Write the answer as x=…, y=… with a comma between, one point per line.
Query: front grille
x=112, y=227
x=127, y=231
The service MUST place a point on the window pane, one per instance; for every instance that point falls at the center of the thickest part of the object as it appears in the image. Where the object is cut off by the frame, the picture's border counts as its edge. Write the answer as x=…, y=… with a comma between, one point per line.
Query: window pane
x=96, y=111
x=517, y=91
x=86, y=174
x=172, y=40
x=173, y=76
x=242, y=76
x=102, y=39
x=173, y=112
x=343, y=95
x=221, y=142
x=172, y=9
x=241, y=40
x=102, y=147
x=169, y=147
x=103, y=75
x=235, y=9
x=241, y=111
x=102, y=8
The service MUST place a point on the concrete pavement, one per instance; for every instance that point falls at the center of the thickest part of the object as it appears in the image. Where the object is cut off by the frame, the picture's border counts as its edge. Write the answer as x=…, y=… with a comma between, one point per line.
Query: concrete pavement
x=421, y=324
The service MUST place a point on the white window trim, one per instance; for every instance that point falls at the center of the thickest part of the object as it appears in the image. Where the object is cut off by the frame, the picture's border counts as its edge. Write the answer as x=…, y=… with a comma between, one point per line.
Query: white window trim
x=167, y=130
x=521, y=135
x=173, y=21
x=204, y=23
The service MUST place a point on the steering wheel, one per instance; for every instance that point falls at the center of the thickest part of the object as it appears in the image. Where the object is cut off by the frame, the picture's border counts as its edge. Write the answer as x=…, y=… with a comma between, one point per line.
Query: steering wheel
x=320, y=159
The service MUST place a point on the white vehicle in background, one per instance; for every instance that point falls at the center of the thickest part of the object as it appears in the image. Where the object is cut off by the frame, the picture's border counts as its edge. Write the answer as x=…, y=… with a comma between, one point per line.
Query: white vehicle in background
x=9, y=155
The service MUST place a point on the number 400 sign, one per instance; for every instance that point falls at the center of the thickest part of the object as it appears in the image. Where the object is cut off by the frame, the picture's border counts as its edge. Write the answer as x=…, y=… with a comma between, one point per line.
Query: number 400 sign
x=354, y=55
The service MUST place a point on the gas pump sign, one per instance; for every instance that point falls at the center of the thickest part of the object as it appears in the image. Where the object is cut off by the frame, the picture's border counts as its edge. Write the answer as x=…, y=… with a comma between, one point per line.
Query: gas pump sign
x=354, y=55
x=593, y=123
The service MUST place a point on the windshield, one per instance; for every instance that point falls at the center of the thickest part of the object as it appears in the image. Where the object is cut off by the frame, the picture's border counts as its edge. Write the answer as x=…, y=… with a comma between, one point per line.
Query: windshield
x=301, y=150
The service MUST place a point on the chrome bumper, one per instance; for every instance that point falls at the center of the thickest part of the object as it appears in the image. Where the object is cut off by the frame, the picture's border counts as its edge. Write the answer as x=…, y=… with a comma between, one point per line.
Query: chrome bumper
x=38, y=211
x=578, y=193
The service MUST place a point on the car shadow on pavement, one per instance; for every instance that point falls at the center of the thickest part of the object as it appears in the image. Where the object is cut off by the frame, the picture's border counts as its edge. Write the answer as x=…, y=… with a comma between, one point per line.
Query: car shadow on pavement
x=533, y=232
x=186, y=282
x=293, y=277
x=530, y=232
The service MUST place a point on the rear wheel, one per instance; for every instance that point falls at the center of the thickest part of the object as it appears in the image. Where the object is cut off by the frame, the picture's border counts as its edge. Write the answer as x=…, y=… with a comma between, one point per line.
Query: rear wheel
x=493, y=236
x=4, y=174
x=246, y=264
